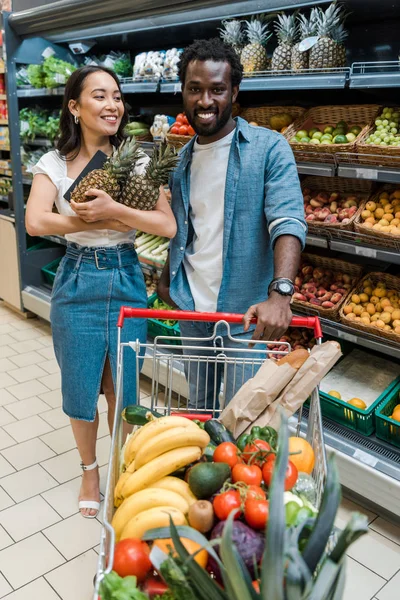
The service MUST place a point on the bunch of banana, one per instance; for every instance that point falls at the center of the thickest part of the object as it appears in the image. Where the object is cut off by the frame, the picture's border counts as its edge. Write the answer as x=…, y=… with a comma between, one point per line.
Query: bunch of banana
x=152, y=507
x=156, y=450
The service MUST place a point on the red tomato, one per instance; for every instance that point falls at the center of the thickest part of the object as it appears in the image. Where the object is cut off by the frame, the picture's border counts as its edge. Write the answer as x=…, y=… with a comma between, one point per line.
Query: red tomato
x=256, y=513
x=131, y=557
x=250, y=474
x=256, y=452
x=226, y=453
x=191, y=131
x=180, y=118
x=225, y=503
x=183, y=130
x=184, y=120
x=175, y=129
x=291, y=474
x=255, y=491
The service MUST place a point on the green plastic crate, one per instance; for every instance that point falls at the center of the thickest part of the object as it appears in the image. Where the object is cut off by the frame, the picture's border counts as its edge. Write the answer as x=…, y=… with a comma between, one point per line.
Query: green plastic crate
x=157, y=328
x=360, y=420
x=49, y=271
x=388, y=429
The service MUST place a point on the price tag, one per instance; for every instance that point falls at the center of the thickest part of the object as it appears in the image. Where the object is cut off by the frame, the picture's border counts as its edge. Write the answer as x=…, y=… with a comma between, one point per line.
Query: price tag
x=347, y=336
x=368, y=252
x=308, y=43
x=367, y=173
x=365, y=458
x=47, y=52
x=177, y=87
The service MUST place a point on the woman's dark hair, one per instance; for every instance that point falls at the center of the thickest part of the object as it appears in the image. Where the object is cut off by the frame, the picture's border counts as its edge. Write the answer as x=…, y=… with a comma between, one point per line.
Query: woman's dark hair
x=216, y=50
x=69, y=141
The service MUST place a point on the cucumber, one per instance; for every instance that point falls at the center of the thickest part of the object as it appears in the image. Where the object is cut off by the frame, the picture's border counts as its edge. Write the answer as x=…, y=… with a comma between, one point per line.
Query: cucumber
x=206, y=478
x=139, y=415
x=217, y=432
x=209, y=452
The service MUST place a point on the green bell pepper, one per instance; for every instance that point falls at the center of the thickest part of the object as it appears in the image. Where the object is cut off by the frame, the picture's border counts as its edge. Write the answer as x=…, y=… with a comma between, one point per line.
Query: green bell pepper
x=242, y=441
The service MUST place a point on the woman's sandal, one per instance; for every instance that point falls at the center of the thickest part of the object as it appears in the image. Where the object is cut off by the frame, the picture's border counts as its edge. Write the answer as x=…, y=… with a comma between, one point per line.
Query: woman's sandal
x=91, y=504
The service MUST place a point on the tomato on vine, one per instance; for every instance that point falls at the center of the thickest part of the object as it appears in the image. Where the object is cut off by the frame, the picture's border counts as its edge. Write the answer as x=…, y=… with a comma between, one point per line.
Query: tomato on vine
x=290, y=477
x=256, y=452
x=227, y=453
x=249, y=474
x=225, y=503
x=256, y=513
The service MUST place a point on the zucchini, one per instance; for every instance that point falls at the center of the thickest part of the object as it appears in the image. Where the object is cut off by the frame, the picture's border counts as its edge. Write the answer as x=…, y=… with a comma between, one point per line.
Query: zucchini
x=209, y=452
x=139, y=415
x=217, y=432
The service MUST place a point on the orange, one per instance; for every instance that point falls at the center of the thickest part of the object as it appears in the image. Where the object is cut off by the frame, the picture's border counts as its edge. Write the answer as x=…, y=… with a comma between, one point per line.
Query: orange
x=306, y=459
x=396, y=413
x=357, y=403
x=201, y=557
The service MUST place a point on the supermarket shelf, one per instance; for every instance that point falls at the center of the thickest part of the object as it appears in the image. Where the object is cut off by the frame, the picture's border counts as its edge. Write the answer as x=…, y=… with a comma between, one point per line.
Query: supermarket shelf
x=38, y=92
x=139, y=87
x=383, y=174
x=3, y=97
x=5, y=173
x=5, y=148
x=27, y=180
x=370, y=251
x=37, y=300
x=170, y=87
x=317, y=242
x=57, y=239
x=319, y=169
x=3, y=121
x=4, y=199
x=41, y=142
x=375, y=74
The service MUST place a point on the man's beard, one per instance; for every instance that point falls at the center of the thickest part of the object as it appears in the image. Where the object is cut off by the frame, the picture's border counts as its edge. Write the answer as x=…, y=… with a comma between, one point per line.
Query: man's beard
x=206, y=130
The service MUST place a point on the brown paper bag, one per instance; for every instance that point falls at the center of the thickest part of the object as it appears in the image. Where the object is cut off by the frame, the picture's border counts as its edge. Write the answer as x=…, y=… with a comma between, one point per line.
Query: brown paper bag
x=307, y=378
x=255, y=396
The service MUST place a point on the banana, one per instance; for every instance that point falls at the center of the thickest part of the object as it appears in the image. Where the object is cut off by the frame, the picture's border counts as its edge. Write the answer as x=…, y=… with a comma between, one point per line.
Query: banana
x=159, y=467
x=168, y=440
x=174, y=484
x=149, y=519
x=148, y=431
x=144, y=500
x=118, y=488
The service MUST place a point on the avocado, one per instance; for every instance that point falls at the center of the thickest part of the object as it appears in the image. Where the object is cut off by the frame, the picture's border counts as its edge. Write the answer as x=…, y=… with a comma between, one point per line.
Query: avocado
x=207, y=478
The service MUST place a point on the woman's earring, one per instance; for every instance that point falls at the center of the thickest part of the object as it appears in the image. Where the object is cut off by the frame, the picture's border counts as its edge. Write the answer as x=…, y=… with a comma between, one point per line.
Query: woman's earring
x=76, y=120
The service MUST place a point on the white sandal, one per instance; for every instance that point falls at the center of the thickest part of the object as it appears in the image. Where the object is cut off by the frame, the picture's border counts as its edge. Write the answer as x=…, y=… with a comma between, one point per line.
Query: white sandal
x=91, y=504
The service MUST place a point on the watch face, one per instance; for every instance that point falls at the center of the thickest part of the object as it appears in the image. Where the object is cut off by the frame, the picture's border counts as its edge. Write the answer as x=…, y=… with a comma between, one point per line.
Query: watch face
x=285, y=288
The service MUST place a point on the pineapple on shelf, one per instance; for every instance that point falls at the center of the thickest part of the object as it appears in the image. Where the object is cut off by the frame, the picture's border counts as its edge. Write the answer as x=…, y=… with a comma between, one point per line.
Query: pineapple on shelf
x=142, y=191
x=324, y=54
x=115, y=170
x=254, y=55
x=339, y=35
x=286, y=31
x=307, y=28
x=232, y=34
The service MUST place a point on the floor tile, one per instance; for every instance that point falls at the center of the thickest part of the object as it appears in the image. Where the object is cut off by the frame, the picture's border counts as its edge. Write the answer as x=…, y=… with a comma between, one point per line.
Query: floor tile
x=37, y=590
x=64, y=467
x=28, y=428
x=102, y=405
x=51, y=366
x=391, y=589
x=97, y=549
x=5, y=417
x=346, y=508
x=361, y=583
x=6, y=328
x=28, y=373
x=389, y=530
x=28, y=346
x=56, y=418
x=27, y=334
x=47, y=341
x=37, y=556
x=6, y=397
x=6, y=340
x=29, y=517
x=5, y=440
x=5, y=468
x=74, y=580
x=376, y=553
x=25, y=324
x=28, y=483
x=5, y=539
x=61, y=440
x=52, y=398
x=103, y=426
x=6, y=365
x=27, y=408
x=74, y=535
x=5, y=500
x=52, y=382
x=46, y=352
x=6, y=352
x=5, y=587
x=64, y=498
x=27, y=453
x=6, y=380
x=103, y=450
x=26, y=359
x=22, y=391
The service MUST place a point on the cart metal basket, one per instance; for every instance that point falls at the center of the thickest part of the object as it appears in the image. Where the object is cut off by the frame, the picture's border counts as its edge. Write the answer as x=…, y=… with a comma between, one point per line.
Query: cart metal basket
x=226, y=362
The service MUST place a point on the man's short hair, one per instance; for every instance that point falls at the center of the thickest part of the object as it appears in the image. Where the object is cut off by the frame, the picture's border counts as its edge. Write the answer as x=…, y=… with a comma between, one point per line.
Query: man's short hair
x=215, y=50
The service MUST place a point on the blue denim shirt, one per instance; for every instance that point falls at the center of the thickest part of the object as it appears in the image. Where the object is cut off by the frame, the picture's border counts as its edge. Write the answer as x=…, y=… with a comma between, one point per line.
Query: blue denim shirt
x=263, y=201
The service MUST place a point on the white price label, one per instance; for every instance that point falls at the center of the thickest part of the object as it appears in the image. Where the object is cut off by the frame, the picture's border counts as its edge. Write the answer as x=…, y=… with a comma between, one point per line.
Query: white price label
x=367, y=173
x=24, y=126
x=368, y=252
x=177, y=87
x=347, y=336
x=365, y=458
x=48, y=52
x=308, y=43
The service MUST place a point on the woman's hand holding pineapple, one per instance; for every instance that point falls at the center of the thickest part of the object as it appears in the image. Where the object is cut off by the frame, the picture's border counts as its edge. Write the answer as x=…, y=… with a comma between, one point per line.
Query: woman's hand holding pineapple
x=99, y=209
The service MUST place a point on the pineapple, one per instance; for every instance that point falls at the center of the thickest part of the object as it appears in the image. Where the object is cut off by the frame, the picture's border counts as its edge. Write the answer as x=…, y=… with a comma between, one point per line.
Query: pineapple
x=113, y=173
x=324, y=55
x=286, y=32
x=307, y=28
x=232, y=34
x=339, y=34
x=142, y=191
x=254, y=55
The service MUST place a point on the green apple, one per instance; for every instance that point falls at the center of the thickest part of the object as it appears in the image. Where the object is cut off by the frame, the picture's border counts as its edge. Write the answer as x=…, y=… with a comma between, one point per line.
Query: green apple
x=350, y=137
x=312, y=131
x=315, y=141
x=305, y=139
x=329, y=129
x=301, y=134
x=317, y=135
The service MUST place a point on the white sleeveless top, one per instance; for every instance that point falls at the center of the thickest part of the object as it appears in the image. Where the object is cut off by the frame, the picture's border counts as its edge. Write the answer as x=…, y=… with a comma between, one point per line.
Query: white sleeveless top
x=55, y=167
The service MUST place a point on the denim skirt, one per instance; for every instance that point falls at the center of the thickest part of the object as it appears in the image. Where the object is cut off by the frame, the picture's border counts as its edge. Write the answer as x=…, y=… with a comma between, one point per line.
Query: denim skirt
x=89, y=289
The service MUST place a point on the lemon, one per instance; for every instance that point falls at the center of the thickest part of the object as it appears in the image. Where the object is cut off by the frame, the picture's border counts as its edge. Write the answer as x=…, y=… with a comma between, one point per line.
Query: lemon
x=357, y=403
x=335, y=394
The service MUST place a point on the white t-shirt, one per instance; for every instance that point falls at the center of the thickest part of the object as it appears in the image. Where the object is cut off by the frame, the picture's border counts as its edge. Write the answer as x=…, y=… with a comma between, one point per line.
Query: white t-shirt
x=203, y=256
x=55, y=167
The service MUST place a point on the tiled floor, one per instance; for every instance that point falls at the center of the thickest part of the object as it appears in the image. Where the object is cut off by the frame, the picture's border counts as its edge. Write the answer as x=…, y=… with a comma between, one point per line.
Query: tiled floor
x=47, y=551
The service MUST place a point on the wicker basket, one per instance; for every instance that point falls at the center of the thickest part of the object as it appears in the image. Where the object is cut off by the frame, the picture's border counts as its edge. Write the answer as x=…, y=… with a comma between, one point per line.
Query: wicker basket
x=262, y=114
x=378, y=238
x=360, y=188
x=332, y=264
x=373, y=154
x=324, y=116
x=392, y=283
x=178, y=141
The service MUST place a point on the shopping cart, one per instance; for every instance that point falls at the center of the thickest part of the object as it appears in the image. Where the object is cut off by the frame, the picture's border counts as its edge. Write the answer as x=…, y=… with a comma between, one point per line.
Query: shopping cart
x=170, y=362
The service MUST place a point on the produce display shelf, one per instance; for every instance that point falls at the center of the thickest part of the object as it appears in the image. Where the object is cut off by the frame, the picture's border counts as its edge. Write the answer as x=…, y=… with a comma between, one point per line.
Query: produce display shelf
x=5, y=173
x=38, y=92
x=391, y=257
x=42, y=142
x=3, y=97
x=140, y=87
x=5, y=147
x=37, y=300
x=318, y=242
x=373, y=173
x=318, y=169
x=3, y=121
x=375, y=75
x=170, y=87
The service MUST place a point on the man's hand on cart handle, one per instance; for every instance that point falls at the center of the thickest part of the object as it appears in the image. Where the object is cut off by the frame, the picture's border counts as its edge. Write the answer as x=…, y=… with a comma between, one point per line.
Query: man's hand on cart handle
x=273, y=318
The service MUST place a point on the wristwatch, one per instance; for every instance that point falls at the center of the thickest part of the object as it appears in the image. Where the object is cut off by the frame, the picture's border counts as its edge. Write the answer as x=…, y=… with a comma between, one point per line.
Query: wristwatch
x=283, y=286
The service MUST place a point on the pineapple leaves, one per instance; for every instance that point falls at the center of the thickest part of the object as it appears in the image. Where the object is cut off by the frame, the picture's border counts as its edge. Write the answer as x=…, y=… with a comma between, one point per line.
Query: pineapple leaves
x=355, y=528
x=272, y=566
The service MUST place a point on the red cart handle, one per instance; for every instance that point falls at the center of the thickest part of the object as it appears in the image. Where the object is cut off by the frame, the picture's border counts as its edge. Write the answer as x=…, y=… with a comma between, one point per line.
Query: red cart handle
x=127, y=312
